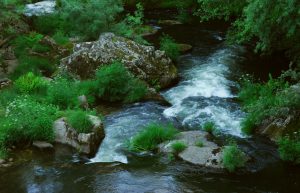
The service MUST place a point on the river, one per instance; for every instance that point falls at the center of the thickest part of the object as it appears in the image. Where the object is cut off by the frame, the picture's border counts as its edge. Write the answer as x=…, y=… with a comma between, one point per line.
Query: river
x=206, y=92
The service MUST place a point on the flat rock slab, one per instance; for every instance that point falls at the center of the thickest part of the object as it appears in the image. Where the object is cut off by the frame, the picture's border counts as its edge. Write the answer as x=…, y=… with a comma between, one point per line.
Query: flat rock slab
x=210, y=155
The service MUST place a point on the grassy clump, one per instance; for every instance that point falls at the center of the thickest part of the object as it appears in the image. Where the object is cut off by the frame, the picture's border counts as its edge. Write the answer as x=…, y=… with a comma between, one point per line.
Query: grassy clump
x=168, y=44
x=178, y=147
x=151, y=136
x=80, y=121
x=30, y=83
x=115, y=84
x=210, y=127
x=26, y=120
x=63, y=93
x=289, y=148
x=262, y=100
x=233, y=158
x=199, y=143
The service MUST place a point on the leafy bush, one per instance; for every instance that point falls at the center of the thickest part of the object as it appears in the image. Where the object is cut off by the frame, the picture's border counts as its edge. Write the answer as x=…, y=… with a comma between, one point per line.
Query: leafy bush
x=289, y=148
x=48, y=24
x=262, y=100
x=274, y=15
x=60, y=38
x=168, y=44
x=178, y=147
x=63, y=93
x=80, y=121
x=151, y=136
x=27, y=120
x=233, y=158
x=88, y=18
x=30, y=83
x=37, y=65
x=115, y=83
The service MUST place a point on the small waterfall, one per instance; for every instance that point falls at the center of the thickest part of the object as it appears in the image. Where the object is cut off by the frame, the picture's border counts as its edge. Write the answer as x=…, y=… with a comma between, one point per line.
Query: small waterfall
x=205, y=94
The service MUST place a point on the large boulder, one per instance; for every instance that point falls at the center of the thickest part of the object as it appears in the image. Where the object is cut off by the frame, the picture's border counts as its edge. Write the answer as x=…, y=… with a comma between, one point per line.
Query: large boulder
x=40, y=8
x=146, y=63
x=86, y=143
x=208, y=155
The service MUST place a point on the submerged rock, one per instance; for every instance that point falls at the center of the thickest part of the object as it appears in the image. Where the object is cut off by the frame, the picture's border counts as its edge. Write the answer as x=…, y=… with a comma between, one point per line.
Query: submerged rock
x=40, y=8
x=209, y=155
x=144, y=62
x=169, y=22
x=87, y=143
x=42, y=145
x=183, y=48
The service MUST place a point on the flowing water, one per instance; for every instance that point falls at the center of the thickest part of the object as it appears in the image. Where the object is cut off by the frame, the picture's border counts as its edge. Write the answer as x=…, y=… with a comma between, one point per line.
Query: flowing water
x=206, y=92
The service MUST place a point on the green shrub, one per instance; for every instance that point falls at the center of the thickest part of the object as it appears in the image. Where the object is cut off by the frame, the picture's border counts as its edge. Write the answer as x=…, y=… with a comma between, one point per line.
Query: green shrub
x=27, y=120
x=63, y=93
x=60, y=38
x=178, y=147
x=115, y=83
x=233, y=158
x=35, y=64
x=80, y=121
x=168, y=44
x=30, y=83
x=151, y=136
x=261, y=100
x=7, y=95
x=88, y=18
x=289, y=148
x=48, y=24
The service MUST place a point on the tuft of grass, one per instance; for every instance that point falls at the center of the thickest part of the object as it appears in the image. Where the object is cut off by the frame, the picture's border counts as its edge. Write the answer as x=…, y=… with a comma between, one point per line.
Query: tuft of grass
x=168, y=44
x=210, y=127
x=30, y=83
x=151, y=136
x=79, y=120
x=199, y=143
x=289, y=148
x=233, y=158
x=178, y=147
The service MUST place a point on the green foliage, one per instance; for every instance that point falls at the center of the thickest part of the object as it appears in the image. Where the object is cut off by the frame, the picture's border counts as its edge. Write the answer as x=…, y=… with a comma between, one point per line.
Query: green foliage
x=115, y=83
x=80, y=121
x=273, y=23
x=32, y=41
x=210, y=127
x=262, y=100
x=178, y=147
x=30, y=83
x=151, y=136
x=63, y=93
x=27, y=120
x=133, y=26
x=168, y=44
x=233, y=158
x=289, y=148
x=35, y=64
x=88, y=18
x=48, y=24
x=60, y=38
x=199, y=143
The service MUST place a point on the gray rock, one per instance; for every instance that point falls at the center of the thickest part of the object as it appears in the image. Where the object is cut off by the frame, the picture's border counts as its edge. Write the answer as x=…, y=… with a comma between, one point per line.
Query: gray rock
x=42, y=145
x=2, y=161
x=83, y=102
x=40, y=8
x=87, y=143
x=210, y=155
x=143, y=62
